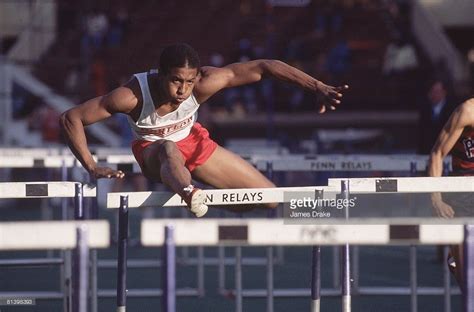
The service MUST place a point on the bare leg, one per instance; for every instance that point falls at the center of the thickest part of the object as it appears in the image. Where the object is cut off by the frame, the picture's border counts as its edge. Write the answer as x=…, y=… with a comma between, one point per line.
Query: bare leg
x=225, y=169
x=163, y=162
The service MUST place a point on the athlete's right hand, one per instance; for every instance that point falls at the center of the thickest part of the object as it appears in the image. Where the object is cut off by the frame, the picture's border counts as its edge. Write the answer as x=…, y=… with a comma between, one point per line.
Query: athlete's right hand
x=106, y=172
x=441, y=209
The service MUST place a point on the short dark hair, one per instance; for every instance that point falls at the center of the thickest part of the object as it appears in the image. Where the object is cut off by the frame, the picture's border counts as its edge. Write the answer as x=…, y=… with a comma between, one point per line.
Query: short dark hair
x=178, y=55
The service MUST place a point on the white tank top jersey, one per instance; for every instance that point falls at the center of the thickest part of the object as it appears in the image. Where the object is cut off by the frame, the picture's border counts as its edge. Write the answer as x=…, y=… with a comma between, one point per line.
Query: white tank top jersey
x=173, y=126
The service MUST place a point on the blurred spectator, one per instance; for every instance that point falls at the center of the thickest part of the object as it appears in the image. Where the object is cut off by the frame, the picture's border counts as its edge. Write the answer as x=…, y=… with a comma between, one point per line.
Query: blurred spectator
x=96, y=25
x=216, y=59
x=443, y=73
x=328, y=22
x=44, y=119
x=23, y=102
x=433, y=114
x=71, y=83
x=328, y=19
x=98, y=75
x=240, y=100
x=245, y=50
x=400, y=57
x=118, y=27
x=243, y=99
x=338, y=59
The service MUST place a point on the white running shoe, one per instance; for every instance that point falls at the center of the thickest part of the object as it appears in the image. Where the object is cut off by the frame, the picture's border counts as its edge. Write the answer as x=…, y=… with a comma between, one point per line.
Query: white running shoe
x=195, y=201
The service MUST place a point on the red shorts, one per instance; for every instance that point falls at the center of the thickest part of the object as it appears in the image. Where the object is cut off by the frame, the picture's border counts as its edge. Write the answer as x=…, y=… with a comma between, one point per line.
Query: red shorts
x=196, y=148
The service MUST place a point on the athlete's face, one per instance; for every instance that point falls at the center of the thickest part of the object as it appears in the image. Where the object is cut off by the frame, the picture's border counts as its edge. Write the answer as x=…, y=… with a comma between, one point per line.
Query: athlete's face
x=180, y=83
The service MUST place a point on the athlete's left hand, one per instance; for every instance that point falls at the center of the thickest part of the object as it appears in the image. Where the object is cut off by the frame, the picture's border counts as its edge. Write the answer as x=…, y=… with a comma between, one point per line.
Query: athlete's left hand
x=328, y=96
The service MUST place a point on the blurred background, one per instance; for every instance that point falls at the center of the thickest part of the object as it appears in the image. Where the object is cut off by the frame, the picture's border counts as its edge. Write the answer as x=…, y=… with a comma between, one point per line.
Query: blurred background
x=400, y=58
x=408, y=64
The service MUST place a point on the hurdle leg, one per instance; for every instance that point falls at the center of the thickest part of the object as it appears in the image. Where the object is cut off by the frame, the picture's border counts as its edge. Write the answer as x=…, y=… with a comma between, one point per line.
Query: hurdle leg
x=238, y=279
x=270, y=305
x=94, y=204
x=169, y=271
x=355, y=269
x=200, y=271
x=66, y=274
x=65, y=280
x=274, y=213
x=81, y=267
x=78, y=215
x=446, y=282
x=346, y=278
x=270, y=214
x=221, y=269
x=336, y=268
x=122, y=255
x=93, y=282
x=184, y=249
x=316, y=279
x=412, y=257
x=469, y=268
x=413, y=280
x=221, y=263
x=78, y=202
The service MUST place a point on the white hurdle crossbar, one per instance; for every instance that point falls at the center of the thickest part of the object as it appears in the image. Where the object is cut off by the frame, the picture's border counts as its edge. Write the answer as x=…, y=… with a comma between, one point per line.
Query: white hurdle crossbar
x=274, y=232
x=350, y=163
x=38, y=235
x=38, y=161
x=406, y=184
x=214, y=197
x=267, y=232
x=44, y=189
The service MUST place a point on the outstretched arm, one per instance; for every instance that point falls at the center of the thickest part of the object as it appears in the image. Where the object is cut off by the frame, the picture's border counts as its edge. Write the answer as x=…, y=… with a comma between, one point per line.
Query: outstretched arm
x=73, y=121
x=462, y=117
x=233, y=75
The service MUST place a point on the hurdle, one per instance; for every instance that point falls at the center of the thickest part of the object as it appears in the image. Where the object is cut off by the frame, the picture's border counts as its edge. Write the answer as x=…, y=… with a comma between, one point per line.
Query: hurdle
x=265, y=232
x=63, y=235
x=399, y=163
x=23, y=190
x=347, y=163
x=429, y=185
x=126, y=200
x=316, y=163
x=412, y=185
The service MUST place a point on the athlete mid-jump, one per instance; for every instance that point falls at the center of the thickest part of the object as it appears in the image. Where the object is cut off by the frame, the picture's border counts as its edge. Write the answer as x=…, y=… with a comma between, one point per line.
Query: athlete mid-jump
x=161, y=107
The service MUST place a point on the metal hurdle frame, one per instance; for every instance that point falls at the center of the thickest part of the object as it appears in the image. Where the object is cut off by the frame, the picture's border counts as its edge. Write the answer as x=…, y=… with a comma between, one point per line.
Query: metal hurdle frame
x=360, y=163
x=316, y=163
x=22, y=190
x=40, y=235
x=56, y=158
x=355, y=163
x=408, y=185
x=121, y=159
x=434, y=185
x=126, y=200
x=264, y=232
